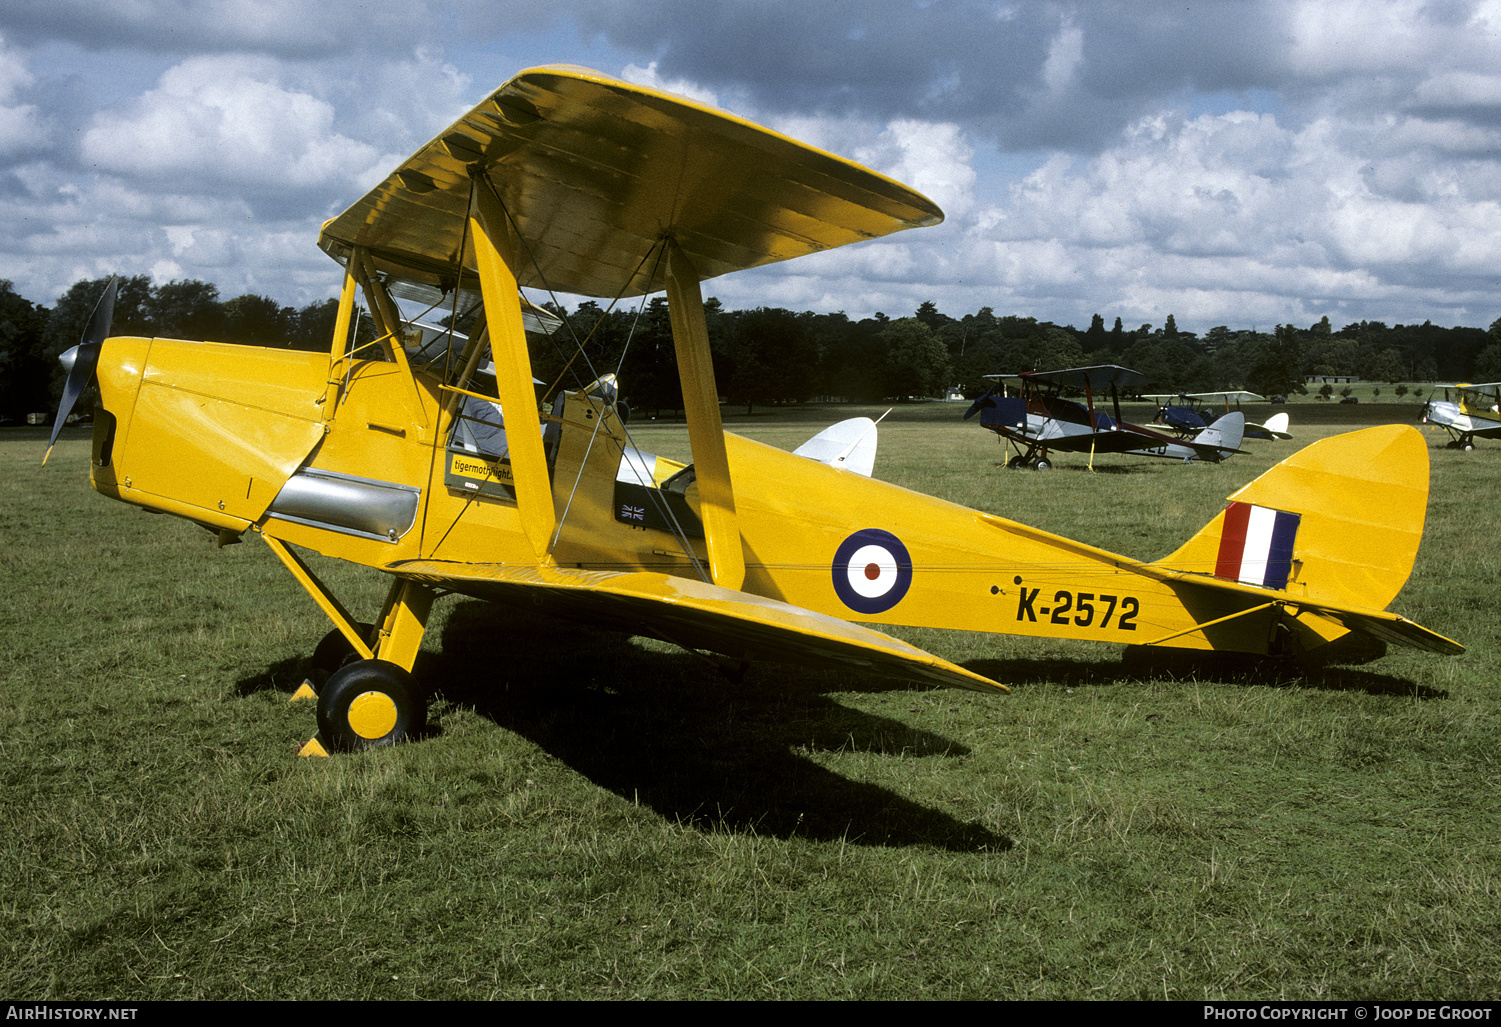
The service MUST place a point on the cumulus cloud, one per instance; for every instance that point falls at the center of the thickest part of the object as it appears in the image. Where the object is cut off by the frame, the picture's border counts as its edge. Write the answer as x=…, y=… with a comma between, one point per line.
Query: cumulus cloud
x=287, y=28
x=228, y=120
x=935, y=159
x=1239, y=212
x=649, y=76
x=22, y=129
x=1264, y=161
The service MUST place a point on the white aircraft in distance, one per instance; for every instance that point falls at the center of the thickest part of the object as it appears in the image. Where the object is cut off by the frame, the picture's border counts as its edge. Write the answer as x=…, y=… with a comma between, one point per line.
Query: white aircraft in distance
x=1191, y=412
x=1037, y=419
x=1472, y=412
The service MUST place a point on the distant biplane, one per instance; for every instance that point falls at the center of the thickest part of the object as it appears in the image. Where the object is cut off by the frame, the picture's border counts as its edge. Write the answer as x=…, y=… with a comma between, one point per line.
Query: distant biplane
x=1471, y=412
x=400, y=454
x=1188, y=413
x=1036, y=418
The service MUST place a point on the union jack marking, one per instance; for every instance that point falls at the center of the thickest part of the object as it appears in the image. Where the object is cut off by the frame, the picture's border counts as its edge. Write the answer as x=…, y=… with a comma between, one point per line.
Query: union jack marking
x=632, y=513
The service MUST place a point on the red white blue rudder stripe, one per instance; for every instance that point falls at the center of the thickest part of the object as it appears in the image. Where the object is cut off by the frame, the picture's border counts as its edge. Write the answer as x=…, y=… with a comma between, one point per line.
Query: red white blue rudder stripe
x=1256, y=545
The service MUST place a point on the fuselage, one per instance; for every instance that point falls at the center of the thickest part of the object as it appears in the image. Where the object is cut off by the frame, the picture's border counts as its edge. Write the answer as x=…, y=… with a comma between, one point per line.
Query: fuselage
x=361, y=468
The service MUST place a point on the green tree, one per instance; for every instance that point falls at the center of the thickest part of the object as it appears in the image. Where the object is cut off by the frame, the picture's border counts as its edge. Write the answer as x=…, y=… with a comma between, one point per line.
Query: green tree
x=258, y=321
x=1488, y=364
x=917, y=363
x=189, y=309
x=774, y=360
x=313, y=327
x=1278, y=368
x=24, y=371
x=928, y=314
x=1096, y=338
x=1387, y=367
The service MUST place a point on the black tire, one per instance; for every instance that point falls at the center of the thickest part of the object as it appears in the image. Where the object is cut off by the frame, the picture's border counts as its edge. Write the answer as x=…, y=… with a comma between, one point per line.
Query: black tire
x=1042, y=464
x=370, y=703
x=1016, y=463
x=1468, y=447
x=333, y=652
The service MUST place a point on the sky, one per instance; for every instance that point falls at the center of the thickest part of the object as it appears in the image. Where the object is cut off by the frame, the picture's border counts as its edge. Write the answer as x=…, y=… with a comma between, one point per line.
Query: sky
x=1242, y=162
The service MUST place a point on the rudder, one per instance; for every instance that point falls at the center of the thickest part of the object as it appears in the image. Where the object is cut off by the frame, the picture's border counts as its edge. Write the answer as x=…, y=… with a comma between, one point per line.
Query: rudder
x=1226, y=433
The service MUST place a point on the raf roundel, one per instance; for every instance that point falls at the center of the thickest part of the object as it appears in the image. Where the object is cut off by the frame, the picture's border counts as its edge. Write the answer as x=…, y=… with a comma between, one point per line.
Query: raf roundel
x=872, y=571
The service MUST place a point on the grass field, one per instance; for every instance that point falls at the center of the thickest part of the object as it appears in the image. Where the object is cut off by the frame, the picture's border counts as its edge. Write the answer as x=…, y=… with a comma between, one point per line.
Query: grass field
x=594, y=816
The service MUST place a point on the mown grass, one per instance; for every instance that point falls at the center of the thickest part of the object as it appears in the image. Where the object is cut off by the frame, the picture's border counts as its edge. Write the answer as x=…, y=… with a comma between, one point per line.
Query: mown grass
x=594, y=816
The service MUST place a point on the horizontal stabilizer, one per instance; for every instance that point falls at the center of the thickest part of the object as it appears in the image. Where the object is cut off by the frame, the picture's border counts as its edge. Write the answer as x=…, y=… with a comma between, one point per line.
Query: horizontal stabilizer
x=697, y=615
x=1388, y=627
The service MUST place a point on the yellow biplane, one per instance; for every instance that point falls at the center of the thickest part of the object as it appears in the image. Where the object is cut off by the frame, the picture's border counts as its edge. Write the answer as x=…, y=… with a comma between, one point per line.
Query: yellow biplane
x=426, y=454
x=1473, y=412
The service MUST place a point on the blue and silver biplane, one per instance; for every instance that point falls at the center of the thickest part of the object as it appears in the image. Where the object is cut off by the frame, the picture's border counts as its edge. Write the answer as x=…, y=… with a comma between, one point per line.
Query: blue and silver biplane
x=1029, y=411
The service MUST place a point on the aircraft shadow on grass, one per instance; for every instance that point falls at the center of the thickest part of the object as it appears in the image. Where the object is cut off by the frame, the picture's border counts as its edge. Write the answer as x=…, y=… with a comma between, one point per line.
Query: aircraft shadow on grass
x=695, y=747
x=1101, y=469
x=1333, y=673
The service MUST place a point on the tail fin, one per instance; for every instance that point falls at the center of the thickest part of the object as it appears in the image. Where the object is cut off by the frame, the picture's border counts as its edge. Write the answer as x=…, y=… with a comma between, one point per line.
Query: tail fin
x=1224, y=434
x=1277, y=425
x=849, y=444
x=1337, y=522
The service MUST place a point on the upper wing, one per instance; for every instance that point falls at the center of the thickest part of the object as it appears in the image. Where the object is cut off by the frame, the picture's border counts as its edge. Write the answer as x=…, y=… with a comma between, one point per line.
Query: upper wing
x=697, y=615
x=1236, y=395
x=1097, y=377
x=595, y=172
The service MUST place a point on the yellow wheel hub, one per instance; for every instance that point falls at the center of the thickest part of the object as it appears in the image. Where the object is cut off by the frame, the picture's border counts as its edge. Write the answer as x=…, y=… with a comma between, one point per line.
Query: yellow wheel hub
x=372, y=715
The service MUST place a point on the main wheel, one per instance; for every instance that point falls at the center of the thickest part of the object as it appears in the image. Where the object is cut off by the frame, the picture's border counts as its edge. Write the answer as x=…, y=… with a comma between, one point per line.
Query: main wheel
x=1016, y=463
x=369, y=703
x=1468, y=447
x=1042, y=464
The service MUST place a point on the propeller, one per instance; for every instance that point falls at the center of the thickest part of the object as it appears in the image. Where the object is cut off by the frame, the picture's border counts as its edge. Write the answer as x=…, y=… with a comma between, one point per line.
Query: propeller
x=976, y=406
x=82, y=360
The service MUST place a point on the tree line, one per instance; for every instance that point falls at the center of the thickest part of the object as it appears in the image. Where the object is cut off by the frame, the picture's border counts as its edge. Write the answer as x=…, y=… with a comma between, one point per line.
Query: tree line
x=769, y=356
x=32, y=336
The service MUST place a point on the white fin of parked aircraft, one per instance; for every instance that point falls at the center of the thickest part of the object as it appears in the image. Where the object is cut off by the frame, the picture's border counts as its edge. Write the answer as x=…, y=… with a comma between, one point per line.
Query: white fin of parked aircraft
x=1277, y=425
x=1226, y=433
x=849, y=444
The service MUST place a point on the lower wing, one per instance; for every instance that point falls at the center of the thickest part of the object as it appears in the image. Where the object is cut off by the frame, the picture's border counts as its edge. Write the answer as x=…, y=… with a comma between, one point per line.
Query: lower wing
x=696, y=615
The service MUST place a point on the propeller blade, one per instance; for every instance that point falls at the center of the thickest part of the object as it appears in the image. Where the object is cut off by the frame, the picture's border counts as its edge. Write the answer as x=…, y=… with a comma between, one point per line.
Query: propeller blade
x=82, y=360
x=976, y=406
